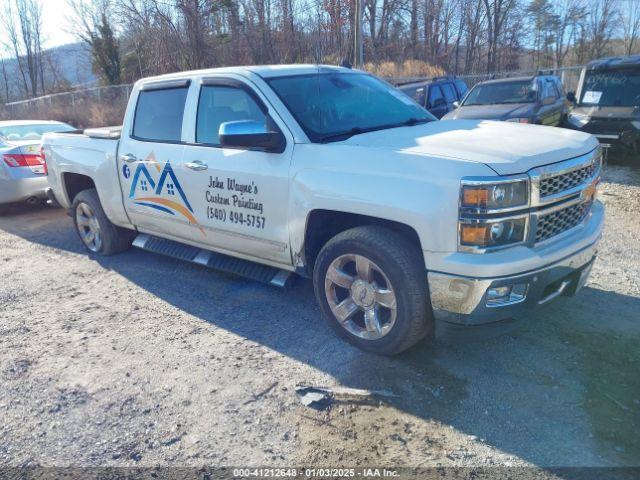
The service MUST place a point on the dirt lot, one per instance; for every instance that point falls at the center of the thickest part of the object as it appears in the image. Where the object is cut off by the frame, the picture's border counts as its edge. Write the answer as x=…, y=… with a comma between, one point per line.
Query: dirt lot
x=138, y=359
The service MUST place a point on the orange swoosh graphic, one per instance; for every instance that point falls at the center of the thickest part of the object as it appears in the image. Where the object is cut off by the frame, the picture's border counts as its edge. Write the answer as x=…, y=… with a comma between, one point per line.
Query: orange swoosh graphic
x=171, y=204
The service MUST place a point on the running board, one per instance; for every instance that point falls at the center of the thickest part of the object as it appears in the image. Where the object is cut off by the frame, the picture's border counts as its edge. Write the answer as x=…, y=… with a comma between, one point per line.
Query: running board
x=217, y=261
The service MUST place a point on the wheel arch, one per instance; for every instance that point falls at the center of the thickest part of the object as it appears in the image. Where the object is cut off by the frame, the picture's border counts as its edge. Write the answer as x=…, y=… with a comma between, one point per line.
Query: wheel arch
x=74, y=183
x=322, y=225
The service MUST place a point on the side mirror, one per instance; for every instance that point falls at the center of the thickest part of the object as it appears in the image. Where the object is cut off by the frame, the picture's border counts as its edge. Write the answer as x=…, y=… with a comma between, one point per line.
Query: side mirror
x=571, y=96
x=251, y=135
x=456, y=104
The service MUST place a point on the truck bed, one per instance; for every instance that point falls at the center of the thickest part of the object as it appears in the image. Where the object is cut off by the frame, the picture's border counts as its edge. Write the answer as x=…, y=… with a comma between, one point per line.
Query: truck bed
x=92, y=154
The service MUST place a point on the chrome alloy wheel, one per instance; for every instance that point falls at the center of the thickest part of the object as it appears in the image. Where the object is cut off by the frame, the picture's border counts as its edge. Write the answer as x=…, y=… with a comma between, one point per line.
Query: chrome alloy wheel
x=88, y=227
x=360, y=296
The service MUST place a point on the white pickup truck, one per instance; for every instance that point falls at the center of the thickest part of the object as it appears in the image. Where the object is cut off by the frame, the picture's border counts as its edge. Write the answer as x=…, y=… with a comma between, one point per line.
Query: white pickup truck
x=333, y=174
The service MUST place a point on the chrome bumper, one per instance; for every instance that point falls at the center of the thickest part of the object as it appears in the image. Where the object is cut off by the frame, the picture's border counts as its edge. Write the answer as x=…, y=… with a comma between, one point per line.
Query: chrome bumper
x=463, y=300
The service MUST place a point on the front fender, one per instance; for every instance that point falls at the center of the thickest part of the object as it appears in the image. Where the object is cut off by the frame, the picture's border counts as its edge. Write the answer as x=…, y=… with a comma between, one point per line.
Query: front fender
x=418, y=191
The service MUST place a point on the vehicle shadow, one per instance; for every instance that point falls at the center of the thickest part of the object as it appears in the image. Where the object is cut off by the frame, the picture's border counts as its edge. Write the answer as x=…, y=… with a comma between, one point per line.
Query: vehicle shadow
x=558, y=390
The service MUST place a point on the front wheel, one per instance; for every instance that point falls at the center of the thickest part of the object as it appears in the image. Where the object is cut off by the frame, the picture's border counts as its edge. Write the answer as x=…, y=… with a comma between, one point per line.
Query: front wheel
x=371, y=286
x=95, y=230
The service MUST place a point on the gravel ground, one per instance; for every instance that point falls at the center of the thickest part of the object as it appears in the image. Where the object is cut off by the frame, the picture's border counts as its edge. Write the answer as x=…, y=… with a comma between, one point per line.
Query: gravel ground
x=143, y=360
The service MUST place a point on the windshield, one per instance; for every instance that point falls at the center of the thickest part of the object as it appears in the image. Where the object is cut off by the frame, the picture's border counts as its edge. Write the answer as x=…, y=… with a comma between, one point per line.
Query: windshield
x=335, y=106
x=31, y=132
x=522, y=91
x=611, y=88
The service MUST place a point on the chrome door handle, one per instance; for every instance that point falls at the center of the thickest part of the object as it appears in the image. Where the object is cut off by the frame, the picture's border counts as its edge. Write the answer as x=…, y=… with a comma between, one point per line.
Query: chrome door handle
x=196, y=165
x=129, y=158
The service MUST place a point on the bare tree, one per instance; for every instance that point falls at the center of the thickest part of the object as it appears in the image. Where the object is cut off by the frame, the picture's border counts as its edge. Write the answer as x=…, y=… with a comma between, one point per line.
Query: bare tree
x=630, y=24
x=498, y=12
x=5, y=81
x=22, y=22
x=94, y=27
x=601, y=25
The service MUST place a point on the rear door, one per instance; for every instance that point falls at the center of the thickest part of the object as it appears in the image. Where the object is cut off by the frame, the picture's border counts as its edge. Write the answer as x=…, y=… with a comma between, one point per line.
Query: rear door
x=148, y=156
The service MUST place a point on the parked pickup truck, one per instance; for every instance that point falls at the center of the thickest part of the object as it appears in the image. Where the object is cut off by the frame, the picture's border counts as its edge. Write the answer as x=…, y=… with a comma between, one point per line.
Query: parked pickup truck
x=333, y=174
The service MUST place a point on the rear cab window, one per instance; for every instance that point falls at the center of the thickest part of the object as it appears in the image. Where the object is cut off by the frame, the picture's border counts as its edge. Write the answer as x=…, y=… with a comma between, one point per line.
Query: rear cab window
x=462, y=88
x=159, y=114
x=549, y=89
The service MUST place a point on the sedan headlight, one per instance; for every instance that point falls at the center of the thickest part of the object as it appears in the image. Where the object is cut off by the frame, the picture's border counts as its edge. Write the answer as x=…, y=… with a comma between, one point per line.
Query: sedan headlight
x=480, y=196
x=492, y=233
x=578, y=120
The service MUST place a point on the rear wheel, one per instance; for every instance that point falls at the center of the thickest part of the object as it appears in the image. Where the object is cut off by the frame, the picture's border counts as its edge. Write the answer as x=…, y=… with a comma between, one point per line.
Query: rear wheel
x=372, y=289
x=95, y=230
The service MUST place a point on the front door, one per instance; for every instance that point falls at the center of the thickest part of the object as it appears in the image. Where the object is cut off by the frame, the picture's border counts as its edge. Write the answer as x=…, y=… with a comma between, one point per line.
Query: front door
x=240, y=196
x=552, y=105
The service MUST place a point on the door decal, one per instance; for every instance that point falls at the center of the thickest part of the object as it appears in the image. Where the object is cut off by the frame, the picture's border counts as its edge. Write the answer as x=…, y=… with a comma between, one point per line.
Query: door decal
x=145, y=191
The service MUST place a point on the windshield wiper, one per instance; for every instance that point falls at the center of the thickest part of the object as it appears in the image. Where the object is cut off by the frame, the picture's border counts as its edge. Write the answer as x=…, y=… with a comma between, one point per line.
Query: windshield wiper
x=343, y=135
x=359, y=130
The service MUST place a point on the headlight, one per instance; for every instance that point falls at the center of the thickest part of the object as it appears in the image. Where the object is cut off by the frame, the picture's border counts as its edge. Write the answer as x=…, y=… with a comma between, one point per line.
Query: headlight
x=492, y=233
x=518, y=120
x=480, y=196
x=578, y=120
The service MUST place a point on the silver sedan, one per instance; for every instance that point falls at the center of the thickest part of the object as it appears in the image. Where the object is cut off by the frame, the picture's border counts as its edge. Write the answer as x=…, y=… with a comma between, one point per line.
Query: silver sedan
x=23, y=170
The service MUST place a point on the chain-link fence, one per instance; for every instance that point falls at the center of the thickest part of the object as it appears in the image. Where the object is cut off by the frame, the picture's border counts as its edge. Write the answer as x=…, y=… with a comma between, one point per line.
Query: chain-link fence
x=101, y=106
x=98, y=106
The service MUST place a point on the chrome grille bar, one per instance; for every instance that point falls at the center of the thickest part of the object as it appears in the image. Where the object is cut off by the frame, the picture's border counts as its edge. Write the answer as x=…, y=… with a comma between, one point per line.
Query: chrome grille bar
x=563, y=195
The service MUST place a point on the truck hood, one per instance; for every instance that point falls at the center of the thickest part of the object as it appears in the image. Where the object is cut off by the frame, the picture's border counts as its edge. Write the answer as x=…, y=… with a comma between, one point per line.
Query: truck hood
x=507, y=148
x=492, y=112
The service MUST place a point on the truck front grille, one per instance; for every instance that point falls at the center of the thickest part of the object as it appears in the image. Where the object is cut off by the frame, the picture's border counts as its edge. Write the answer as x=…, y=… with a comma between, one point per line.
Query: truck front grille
x=552, y=224
x=565, y=181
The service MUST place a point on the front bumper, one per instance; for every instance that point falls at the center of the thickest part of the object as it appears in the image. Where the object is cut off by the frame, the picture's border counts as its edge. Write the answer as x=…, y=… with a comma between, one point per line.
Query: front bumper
x=20, y=189
x=463, y=300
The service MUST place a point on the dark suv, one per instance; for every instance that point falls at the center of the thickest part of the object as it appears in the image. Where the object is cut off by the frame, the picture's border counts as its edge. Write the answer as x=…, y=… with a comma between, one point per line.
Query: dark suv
x=436, y=95
x=534, y=99
x=607, y=103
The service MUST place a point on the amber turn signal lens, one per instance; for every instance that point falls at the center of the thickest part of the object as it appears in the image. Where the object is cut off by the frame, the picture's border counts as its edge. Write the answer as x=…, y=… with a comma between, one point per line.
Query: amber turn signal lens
x=476, y=197
x=475, y=234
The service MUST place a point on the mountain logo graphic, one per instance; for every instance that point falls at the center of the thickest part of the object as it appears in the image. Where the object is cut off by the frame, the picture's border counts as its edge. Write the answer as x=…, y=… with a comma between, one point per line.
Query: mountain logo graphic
x=166, y=195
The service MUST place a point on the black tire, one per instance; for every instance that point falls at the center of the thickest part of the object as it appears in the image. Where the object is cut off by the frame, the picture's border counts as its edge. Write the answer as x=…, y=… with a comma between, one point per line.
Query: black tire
x=403, y=265
x=113, y=239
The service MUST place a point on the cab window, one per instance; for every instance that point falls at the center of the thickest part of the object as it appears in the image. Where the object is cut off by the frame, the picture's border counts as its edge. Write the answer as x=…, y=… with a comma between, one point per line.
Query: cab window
x=449, y=92
x=549, y=89
x=219, y=104
x=435, y=94
x=417, y=93
x=159, y=115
